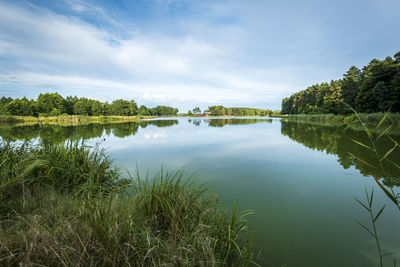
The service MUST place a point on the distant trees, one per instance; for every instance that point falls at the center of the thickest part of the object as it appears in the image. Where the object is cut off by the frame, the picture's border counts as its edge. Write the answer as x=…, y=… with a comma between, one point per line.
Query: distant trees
x=223, y=111
x=21, y=107
x=143, y=111
x=53, y=104
x=375, y=88
x=196, y=110
x=163, y=110
x=123, y=107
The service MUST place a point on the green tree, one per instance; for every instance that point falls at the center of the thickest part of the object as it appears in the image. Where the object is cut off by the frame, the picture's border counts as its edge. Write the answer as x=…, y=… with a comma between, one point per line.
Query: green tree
x=97, y=108
x=143, y=111
x=350, y=86
x=122, y=107
x=46, y=103
x=164, y=111
x=20, y=107
x=83, y=107
x=69, y=104
x=333, y=101
x=217, y=110
x=196, y=110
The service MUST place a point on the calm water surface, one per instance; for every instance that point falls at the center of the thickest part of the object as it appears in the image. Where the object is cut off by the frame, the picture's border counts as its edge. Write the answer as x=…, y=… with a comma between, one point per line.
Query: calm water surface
x=298, y=177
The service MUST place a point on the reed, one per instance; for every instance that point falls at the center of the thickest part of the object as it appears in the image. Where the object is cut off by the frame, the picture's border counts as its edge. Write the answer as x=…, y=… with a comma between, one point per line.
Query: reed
x=66, y=205
x=373, y=137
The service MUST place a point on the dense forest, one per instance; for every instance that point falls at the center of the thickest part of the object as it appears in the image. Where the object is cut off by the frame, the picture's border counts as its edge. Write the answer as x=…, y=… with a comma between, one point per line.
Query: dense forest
x=53, y=104
x=375, y=88
x=223, y=111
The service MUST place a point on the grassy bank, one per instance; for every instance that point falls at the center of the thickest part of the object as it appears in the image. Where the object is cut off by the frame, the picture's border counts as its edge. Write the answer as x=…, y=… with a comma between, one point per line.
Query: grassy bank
x=372, y=118
x=66, y=205
x=70, y=119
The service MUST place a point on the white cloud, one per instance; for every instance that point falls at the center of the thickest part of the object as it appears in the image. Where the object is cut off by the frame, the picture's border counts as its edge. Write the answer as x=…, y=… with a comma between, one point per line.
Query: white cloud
x=49, y=50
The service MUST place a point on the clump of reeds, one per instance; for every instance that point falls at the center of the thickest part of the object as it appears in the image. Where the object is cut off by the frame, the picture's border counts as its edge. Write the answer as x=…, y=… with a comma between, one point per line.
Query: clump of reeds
x=66, y=205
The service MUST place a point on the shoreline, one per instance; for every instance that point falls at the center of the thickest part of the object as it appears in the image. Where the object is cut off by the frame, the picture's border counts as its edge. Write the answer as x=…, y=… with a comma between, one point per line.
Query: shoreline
x=371, y=118
x=69, y=119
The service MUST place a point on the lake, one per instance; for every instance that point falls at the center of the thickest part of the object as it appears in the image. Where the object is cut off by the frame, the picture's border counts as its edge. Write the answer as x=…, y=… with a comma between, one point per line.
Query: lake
x=299, y=178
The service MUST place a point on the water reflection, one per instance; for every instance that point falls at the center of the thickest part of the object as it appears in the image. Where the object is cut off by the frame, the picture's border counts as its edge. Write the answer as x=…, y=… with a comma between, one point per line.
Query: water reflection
x=234, y=121
x=339, y=141
x=60, y=133
x=332, y=139
x=303, y=199
x=56, y=134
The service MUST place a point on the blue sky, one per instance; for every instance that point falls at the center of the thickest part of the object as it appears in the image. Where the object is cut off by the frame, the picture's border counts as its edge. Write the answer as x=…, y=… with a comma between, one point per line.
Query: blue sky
x=188, y=53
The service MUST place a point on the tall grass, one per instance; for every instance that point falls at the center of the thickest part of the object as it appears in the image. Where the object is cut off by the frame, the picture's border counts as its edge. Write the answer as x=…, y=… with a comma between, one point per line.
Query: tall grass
x=66, y=205
x=371, y=118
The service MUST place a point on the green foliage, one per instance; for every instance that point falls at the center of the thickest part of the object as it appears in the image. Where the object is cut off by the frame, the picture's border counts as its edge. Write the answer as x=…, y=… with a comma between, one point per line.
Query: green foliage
x=53, y=104
x=223, y=111
x=46, y=103
x=163, y=111
x=97, y=108
x=143, y=111
x=81, y=213
x=20, y=107
x=375, y=88
x=123, y=107
x=83, y=107
x=196, y=110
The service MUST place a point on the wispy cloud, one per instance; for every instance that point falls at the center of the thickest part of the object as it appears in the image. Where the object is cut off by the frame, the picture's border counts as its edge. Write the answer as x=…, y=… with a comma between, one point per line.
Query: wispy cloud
x=215, y=53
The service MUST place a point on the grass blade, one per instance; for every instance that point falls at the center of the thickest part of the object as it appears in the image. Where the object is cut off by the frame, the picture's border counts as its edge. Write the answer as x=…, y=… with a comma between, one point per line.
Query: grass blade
x=361, y=144
x=362, y=204
x=388, y=152
x=365, y=228
x=363, y=161
x=379, y=213
x=383, y=119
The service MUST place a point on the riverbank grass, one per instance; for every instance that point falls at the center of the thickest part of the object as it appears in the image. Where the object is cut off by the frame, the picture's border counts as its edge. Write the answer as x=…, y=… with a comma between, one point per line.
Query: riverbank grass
x=371, y=118
x=70, y=119
x=67, y=205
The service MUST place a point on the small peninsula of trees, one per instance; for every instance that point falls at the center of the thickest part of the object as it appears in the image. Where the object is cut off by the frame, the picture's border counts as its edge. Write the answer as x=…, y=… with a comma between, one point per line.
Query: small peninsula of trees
x=53, y=104
x=375, y=88
x=223, y=111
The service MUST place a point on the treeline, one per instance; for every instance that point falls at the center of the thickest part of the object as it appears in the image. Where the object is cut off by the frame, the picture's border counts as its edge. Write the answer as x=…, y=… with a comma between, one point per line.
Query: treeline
x=53, y=104
x=223, y=111
x=375, y=88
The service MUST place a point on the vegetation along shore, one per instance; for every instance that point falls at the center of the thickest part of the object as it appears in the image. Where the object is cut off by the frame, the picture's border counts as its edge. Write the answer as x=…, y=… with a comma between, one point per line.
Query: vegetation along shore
x=69, y=119
x=69, y=205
